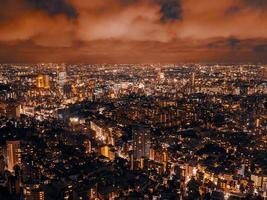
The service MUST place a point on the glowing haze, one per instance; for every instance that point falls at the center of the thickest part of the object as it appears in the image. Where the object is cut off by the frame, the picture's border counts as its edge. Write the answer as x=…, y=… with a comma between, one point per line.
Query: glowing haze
x=133, y=31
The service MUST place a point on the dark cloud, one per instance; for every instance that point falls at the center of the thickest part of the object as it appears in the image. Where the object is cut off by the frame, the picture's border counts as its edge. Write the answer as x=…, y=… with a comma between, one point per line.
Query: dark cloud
x=171, y=10
x=54, y=7
x=232, y=10
x=262, y=48
x=232, y=42
x=224, y=43
x=260, y=4
x=255, y=4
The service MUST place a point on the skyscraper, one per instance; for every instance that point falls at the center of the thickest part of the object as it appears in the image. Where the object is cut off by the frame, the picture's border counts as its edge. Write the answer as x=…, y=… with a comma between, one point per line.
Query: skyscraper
x=88, y=146
x=141, y=142
x=33, y=192
x=42, y=81
x=13, y=154
x=193, y=79
x=2, y=165
x=13, y=110
x=61, y=77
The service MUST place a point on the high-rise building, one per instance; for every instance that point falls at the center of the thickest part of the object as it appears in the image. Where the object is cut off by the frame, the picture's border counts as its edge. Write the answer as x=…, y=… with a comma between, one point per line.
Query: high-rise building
x=33, y=192
x=107, y=151
x=1, y=78
x=258, y=123
x=67, y=90
x=193, y=80
x=61, y=77
x=141, y=142
x=13, y=154
x=264, y=72
x=161, y=76
x=104, y=151
x=91, y=89
x=2, y=165
x=42, y=81
x=88, y=146
x=13, y=110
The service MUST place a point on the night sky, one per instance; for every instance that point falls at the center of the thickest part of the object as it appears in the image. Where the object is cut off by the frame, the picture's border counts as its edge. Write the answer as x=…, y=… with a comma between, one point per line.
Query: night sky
x=133, y=31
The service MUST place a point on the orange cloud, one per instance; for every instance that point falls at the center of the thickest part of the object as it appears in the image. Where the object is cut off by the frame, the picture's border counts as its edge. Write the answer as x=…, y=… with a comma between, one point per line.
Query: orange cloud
x=117, y=27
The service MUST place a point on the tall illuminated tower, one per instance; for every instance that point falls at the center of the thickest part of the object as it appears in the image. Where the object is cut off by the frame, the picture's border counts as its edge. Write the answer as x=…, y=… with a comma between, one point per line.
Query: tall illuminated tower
x=88, y=146
x=61, y=77
x=141, y=142
x=13, y=154
x=42, y=81
x=193, y=80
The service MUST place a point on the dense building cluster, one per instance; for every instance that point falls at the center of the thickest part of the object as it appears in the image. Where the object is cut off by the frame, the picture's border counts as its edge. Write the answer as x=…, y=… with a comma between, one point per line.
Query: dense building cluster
x=133, y=132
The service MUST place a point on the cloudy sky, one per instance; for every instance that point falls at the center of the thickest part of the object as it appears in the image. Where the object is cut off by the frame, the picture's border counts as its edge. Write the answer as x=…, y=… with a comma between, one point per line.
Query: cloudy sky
x=133, y=31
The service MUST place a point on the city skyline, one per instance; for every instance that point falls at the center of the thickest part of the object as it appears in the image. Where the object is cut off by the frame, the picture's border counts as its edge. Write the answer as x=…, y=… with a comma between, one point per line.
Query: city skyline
x=141, y=132
x=133, y=99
